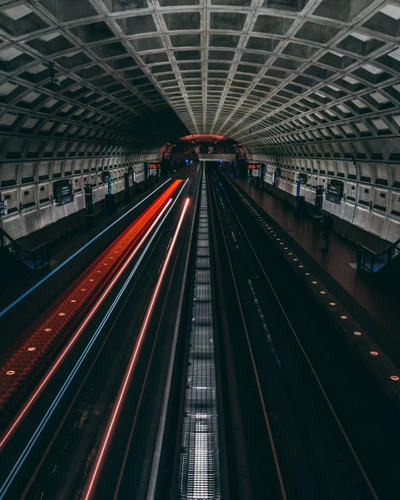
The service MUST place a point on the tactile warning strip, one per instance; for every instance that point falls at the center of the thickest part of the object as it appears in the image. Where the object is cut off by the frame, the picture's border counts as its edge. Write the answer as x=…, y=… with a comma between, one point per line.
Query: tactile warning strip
x=37, y=345
x=200, y=456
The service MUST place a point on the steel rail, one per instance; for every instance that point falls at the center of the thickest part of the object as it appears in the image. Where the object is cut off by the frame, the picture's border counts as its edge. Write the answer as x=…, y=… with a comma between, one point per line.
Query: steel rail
x=253, y=363
x=312, y=369
x=90, y=487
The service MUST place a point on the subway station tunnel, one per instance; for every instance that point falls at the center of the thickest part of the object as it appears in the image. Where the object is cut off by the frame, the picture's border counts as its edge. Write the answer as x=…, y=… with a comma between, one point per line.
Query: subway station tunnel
x=170, y=171
x=304, y=85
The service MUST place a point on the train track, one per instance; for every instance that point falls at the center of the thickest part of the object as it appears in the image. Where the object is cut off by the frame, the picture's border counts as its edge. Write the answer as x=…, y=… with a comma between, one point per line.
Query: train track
x=290, y=462
x=24, y=360
x=49, y=435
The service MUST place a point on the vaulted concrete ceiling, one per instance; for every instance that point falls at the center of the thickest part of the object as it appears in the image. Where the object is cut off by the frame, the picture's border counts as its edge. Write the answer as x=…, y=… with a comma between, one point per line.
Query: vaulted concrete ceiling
x=264, y=72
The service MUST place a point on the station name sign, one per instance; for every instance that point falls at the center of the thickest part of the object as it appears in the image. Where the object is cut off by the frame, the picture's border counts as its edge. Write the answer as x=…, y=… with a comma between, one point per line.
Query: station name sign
x=63, y=192
x=303, y=178
x=334, y=191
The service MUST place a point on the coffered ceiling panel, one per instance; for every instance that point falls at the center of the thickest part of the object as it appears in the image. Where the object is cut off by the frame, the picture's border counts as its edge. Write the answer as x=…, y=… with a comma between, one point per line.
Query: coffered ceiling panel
x=264, y=72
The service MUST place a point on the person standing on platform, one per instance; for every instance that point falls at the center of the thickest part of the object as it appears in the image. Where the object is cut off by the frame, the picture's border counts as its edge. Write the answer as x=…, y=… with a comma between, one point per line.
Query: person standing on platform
x=327, y=226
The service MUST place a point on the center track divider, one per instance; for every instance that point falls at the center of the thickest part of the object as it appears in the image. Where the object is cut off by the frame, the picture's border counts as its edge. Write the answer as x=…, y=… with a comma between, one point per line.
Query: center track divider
x=25, y=359
x=200, y=463
x=16, y=467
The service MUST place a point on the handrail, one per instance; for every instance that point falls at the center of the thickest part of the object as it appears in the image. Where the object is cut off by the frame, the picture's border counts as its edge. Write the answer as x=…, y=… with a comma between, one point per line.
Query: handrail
x=33, y=258
x=368, y=260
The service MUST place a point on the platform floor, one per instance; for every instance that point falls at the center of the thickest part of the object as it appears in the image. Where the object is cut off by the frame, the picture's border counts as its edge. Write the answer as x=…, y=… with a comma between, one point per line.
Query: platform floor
x=337, y=263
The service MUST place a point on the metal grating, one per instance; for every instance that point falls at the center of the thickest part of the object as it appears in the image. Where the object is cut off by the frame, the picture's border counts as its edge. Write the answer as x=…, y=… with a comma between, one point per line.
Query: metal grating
x=199, y=476
x=203, y=252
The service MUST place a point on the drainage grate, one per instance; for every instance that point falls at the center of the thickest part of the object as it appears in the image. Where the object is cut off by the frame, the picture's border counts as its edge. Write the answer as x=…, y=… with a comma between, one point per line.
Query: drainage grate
x=203, y=252
x=200, y=466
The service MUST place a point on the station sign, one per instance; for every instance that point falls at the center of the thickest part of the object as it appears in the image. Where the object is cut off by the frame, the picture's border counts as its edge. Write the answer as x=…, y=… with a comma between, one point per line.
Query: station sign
x=63, y=192
x=303, y=178
x=334, y=191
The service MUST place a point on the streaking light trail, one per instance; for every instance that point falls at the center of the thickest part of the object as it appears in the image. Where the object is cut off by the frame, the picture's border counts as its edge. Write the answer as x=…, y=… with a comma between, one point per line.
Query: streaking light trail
x=89, y=491
x=22, y=361
x=72, y=341
x=36, y=434
x=10, y=306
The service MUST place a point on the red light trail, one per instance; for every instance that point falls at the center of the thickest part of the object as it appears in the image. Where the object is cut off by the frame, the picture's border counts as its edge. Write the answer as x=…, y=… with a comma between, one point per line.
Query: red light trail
x=71, y=342
x=36, y=347
x=94, y=473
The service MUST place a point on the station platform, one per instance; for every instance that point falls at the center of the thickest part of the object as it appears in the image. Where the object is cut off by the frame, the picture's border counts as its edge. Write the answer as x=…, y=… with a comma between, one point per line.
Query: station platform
x=376, y=312
x=68, y=229
x=74, y=246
